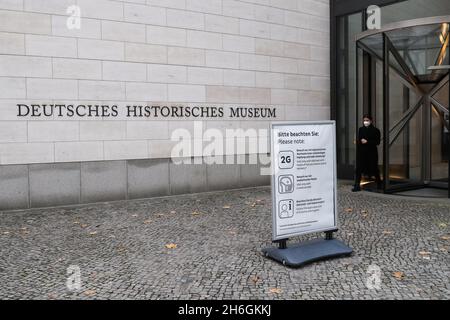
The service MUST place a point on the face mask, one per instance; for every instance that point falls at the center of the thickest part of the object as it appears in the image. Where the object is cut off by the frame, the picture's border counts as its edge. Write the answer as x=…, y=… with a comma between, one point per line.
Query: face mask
x=366, y=123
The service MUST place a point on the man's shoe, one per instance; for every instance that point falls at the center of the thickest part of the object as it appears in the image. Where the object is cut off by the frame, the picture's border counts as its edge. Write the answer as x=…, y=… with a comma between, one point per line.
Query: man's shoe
x=356, y=189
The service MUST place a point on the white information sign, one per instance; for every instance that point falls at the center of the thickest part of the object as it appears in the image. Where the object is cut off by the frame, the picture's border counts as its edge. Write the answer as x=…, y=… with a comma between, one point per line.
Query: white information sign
x=303, y=178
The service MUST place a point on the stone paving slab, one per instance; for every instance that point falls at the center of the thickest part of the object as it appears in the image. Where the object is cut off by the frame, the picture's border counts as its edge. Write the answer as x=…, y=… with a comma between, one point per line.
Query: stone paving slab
x=121, y=251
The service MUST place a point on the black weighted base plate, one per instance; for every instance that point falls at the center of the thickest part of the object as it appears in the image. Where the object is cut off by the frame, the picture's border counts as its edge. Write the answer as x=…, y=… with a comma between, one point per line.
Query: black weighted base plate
x=297, y=255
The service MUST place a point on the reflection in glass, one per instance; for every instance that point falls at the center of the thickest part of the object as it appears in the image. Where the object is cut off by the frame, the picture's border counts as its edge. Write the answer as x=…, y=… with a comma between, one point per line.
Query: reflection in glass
x=349, y=27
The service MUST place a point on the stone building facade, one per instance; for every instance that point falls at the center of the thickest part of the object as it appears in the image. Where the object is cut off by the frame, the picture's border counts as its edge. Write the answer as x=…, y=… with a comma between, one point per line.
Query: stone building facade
x=106, y=55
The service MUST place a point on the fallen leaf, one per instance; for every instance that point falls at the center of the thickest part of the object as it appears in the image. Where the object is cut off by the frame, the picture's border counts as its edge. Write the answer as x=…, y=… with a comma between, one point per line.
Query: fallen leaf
x=171, y=246
x=6, y=232
x=195, y=213
x=134, y=215
x=226, y=207
x=388, y=232
x=349, y=210
x=442, y=225
x=121, y=248
x=398, y=275
x=255, y=279
x=363, y=211
x=160, y=215
x=23, y=229
x=147, y=221
x=444, y=249
x=172, y=212
x=84, y=225
x=425, y=255
x=253, y=205
x=445, y=237
x=275, y=290
x=76, y=222
x=90, y=293
x=93, y=233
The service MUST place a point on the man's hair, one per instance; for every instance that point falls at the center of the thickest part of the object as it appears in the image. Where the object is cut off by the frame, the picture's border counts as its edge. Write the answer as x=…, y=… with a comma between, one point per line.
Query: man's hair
x=368, y=116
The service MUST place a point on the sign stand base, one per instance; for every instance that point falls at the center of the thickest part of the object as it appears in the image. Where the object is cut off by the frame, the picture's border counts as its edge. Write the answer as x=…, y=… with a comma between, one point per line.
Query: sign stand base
x=300, y=254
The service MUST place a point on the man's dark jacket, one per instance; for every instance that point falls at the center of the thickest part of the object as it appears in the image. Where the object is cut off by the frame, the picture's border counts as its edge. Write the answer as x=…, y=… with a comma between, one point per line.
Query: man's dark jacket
x=367, y=154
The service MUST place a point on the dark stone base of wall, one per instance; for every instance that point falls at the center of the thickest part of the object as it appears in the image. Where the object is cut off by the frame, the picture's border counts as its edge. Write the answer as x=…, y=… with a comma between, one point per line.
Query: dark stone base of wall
x=58, y=184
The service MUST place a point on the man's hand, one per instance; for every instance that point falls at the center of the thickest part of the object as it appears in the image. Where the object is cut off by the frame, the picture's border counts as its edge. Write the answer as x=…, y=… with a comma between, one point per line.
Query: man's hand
x=363, y=141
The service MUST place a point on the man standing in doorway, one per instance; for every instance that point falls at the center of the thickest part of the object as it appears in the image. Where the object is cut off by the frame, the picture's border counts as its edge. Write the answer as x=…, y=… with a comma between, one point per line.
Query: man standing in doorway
x=367, y=141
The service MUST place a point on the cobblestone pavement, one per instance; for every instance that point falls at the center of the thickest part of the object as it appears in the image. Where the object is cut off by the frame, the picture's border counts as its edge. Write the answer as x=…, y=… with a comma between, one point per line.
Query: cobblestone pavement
x=121, y=251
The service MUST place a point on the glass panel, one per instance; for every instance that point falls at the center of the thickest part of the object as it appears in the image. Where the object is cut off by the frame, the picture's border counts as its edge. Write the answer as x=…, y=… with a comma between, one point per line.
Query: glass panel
x=397, y=161
x=396, y=67
x=405, y=151
x=415, y=147
x=414, y=131
x=378, y=115
x=422, y=50
x=442, y=96
x=360, y=105
x=348, y=28
x=405, y=154
x=439, y=135
x=439, y=146
x=374, y=43
x=422, y=47
x=419, y=150
x=398, y=103
x=413, y=98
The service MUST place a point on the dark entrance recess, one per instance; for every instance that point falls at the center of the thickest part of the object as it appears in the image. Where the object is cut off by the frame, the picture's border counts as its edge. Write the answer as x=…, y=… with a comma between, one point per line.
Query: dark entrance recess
x=416, y=90
x=403, y=80
x=347, y=17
